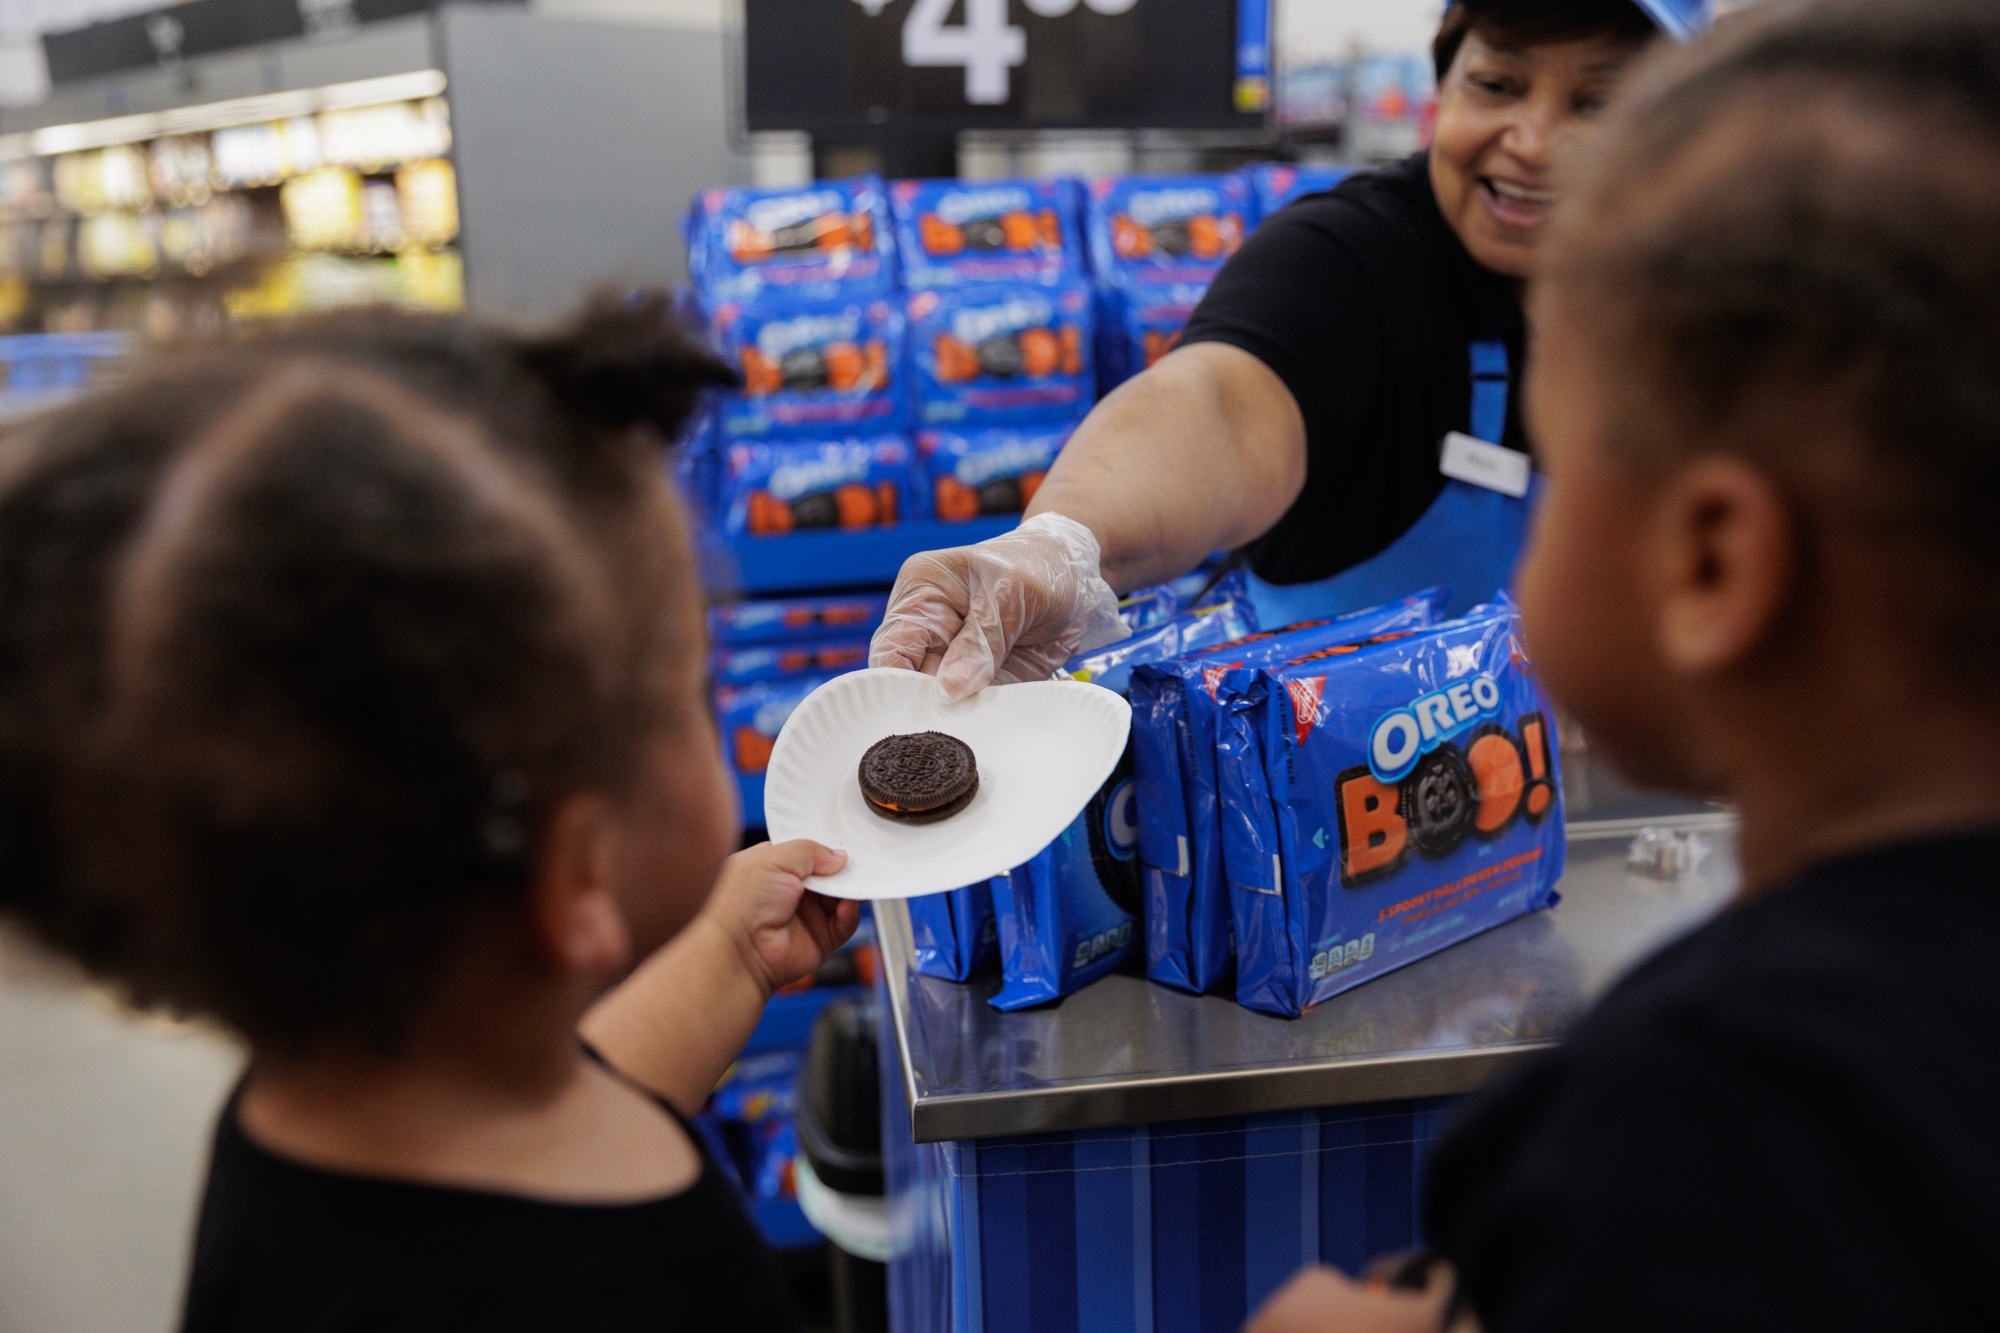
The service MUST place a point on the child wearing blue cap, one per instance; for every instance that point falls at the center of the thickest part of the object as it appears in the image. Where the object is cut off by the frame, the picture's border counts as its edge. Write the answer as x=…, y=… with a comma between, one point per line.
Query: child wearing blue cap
x=1766, y=387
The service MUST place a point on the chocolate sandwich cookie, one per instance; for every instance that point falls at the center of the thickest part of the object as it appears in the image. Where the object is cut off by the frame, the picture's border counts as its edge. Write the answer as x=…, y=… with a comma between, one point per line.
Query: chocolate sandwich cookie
x=1439, y=803
x=920, y=778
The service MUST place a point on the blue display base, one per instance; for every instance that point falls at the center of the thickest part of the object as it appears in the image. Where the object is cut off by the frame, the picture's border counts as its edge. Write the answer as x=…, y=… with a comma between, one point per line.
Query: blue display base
x=1159, y=1228
x=803, y=561
x=784, y=1224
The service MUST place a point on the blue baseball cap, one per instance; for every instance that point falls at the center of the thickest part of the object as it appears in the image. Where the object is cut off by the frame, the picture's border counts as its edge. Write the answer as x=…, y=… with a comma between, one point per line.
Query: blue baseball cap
x=1682, y=19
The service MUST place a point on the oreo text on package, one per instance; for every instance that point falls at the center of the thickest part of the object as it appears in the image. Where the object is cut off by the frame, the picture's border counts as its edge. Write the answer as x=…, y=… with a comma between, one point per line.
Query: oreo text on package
x=1000, y=355
x=1174, y=724
x=1383, y=801
x=952, y=233
x=811, y=367
x=800, y=485
x=991, y=471
x=1164, y=228
x=822, y=240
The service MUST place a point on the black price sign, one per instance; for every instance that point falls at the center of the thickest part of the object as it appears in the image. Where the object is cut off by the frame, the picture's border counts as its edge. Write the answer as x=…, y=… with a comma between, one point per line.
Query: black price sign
x=197, y=27
x=937, y=65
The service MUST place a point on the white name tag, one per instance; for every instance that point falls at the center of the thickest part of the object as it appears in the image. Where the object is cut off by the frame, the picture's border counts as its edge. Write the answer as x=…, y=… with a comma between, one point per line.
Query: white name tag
x=1484, y=464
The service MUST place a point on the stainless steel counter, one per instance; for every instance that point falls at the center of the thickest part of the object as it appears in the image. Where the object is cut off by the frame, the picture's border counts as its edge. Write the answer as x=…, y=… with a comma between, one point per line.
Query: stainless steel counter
x=1125, y=1051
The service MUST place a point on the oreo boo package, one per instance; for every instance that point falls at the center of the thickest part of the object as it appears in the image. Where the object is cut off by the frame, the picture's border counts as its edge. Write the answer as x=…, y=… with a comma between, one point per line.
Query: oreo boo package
x=953, y=935
x=1189, y=934
x=1071, y=913
x=1000, y=355
x=994, y=470
x=1164, y=228
x=826, y=238
x=778, y=620
x=1385, y=801
x=1138, y=325
x=811, y=367
x=802, y=485
x=952, y=233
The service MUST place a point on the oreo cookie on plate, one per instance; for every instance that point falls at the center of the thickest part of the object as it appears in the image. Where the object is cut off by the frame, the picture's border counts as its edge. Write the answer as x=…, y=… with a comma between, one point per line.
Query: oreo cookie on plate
x=920, y=778
x=1033, y=756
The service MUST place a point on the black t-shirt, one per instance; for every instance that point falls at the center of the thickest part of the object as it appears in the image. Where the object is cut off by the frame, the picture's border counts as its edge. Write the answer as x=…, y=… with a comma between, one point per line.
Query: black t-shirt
x=1788, y=1120
x=283, y=1248
x=1365, y=303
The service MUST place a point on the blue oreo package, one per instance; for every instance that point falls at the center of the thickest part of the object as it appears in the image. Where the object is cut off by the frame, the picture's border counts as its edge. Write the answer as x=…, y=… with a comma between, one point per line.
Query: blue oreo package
x=804, y=485
x=750, y=717
x=1000, y=355
x=989, y=471
x=779, y=620
x=953, y=233
x=1148, y=608
x=1204, y=626
x=1155, y=229
x=811, y=367
x=1138, y=325
x=743, y=664
x=1275, y=184
x=953, y=935
x=1383, y=801
x=1174, y=722
x=817, y=240
x=1071, y=914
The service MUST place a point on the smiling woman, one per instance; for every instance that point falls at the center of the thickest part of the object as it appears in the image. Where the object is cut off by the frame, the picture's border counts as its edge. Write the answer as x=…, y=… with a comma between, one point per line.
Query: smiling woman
x=1517, y=79
x=1350, y=375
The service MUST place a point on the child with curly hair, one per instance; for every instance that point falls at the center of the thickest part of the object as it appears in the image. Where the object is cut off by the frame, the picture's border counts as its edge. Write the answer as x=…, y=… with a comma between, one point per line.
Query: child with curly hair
x=351, y=695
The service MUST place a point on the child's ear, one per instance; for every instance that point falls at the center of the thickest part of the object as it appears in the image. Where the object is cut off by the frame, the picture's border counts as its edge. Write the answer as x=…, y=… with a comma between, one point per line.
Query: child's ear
x=573, y=909
x=1724, y=556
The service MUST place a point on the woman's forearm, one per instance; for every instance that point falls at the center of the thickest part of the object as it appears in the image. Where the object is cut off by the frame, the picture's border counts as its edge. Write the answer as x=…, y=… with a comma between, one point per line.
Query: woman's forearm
x=1203, y=452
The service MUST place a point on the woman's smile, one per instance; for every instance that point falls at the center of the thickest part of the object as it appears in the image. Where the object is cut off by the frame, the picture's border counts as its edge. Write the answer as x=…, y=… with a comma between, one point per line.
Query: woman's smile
x=1515, y=205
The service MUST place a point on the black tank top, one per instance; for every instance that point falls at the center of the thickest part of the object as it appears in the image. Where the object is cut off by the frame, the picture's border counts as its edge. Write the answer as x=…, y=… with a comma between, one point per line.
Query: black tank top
x=286, y=1247
x=1365, y=303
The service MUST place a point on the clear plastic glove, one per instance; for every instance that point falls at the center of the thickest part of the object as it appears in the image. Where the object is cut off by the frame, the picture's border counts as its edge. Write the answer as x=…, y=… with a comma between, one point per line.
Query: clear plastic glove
x=1011, y=609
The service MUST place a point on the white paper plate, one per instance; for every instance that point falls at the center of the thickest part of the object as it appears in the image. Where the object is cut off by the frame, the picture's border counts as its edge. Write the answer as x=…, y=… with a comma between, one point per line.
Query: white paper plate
x=1043, y=750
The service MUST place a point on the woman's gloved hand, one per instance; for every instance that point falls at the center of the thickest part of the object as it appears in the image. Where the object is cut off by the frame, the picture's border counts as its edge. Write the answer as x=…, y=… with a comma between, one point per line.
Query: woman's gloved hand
x=1011, y=609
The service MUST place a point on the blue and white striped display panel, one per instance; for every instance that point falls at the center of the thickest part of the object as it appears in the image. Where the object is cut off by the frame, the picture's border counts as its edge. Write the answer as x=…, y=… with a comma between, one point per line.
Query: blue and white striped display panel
x=1181, y=1227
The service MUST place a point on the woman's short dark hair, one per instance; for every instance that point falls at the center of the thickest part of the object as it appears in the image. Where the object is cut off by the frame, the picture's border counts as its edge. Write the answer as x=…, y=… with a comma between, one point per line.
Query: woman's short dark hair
x=1794, y=226
x=303, y=634
x=1520, y=23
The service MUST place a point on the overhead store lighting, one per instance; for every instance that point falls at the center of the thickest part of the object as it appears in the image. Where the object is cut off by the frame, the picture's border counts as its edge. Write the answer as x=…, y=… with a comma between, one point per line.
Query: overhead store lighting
x=220, y=115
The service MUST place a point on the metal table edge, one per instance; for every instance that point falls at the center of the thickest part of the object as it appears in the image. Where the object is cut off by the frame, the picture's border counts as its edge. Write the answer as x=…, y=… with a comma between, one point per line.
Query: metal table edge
x=1096, y=1105
x=941, y=1118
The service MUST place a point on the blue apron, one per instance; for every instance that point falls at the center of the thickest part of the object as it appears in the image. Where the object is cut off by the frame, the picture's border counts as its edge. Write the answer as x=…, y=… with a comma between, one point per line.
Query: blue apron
x=1469, y=540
